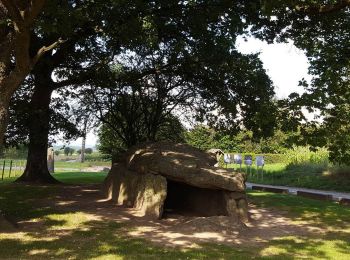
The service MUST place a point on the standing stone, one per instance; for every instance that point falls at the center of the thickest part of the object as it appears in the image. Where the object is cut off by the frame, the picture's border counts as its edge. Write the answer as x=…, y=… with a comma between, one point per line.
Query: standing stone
x=51, y=160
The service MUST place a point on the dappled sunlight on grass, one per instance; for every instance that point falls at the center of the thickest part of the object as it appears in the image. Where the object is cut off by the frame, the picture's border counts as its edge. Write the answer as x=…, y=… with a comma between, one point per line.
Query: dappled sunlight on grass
x=310, y=248
x=67, y=221
x=96, y=239
x=70, y=228
x=328, y=214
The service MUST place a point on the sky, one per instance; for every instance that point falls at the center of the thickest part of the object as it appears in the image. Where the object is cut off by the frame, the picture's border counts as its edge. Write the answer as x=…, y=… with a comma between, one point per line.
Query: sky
x=284, y=63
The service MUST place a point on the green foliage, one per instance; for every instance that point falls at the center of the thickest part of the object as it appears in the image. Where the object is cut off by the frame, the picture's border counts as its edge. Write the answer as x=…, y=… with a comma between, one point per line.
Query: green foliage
x=89, y=151
x=318, y=28
x=19, y=152
x=201, y=137
x=275, y=158
x=110, y=142
x=68, y=151
x=302, y=155
x=205, y=138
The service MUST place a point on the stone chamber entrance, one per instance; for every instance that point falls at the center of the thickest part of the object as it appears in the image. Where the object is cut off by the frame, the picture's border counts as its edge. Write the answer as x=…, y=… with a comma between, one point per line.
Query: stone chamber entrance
x=186, y=200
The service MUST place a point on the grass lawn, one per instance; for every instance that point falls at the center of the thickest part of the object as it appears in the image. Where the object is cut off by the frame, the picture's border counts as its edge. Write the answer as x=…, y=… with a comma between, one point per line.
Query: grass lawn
x=74, y=235
x=80, y=177
x=309, y=175
x=79, y=165
x=333, y=242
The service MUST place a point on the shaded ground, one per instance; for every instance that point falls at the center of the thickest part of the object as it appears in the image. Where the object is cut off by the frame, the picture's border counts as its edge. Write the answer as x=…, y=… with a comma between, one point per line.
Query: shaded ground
x=175, y=230
x=76, y=222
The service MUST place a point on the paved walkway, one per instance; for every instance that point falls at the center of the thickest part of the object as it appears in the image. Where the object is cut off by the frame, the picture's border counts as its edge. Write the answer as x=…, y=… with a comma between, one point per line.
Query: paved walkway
x=293, y=190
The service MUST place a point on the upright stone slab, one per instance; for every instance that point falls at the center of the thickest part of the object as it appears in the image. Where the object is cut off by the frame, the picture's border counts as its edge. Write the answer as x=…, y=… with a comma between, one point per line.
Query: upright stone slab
x=51, y=160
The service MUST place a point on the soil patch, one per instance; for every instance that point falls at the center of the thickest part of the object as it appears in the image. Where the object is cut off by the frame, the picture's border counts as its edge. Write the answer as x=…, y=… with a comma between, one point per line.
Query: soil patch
x=174, y=230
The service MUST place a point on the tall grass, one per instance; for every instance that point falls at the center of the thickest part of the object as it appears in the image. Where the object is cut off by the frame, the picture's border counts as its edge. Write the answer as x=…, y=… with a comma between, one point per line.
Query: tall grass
x=303, y=155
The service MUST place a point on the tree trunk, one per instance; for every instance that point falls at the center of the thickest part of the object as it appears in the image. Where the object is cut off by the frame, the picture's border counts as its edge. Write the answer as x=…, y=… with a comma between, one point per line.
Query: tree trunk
x=82, y=154
x=14, y=46
x=37, y=169
x=5, y=63
x=4, y=104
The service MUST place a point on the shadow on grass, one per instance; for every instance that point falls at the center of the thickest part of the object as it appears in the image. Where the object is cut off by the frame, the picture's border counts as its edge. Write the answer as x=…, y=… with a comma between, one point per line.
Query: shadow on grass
x=313, y=211
x=72, y=234
x=104, y=240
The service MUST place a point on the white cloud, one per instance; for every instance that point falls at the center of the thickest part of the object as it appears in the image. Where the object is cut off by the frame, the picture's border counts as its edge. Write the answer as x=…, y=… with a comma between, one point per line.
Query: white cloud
x=284, y=63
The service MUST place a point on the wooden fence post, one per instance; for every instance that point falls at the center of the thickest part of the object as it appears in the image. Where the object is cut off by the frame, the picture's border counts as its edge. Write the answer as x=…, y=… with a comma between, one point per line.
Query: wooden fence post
x=10, y=168
x=3, y=170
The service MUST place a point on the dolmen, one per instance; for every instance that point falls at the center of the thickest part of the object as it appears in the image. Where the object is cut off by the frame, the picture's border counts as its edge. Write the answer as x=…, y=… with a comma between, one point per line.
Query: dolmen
x=168, y=178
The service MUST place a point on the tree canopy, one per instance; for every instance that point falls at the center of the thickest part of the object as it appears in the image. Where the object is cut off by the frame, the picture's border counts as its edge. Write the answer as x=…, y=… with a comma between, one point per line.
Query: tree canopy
x=142, y=65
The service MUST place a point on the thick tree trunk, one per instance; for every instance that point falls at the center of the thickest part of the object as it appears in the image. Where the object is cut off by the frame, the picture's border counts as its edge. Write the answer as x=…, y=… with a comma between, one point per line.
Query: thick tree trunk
x=4, y=104
x=5, y=63
x=36, y=169
x=14, y=46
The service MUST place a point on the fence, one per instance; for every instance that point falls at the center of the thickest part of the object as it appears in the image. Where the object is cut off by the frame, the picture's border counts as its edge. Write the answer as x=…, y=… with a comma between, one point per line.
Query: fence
x=11, y=168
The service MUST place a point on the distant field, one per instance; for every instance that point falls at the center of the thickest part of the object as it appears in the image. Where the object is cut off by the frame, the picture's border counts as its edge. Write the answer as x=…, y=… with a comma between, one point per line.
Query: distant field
x=79, y=165
x=80, y=177
x=63, y=169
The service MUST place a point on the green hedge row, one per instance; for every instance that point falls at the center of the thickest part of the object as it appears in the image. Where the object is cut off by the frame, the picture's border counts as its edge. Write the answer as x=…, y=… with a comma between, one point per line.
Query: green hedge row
x=269, y=157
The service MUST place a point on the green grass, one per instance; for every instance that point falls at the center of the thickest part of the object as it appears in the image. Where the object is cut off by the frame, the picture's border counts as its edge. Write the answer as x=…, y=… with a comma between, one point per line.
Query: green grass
x=74, y=235
x=307, y=175
x=74, y=177
x=303, y=209
x=80, y=177
x=79, y=165
x=334, y=243
x=95, y=240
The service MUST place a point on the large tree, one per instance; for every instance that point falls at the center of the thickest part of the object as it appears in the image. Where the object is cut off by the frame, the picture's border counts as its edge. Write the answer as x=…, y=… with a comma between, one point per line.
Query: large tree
x=17, y=59
x=199, y=41
x=77, y=27
x=185, y=58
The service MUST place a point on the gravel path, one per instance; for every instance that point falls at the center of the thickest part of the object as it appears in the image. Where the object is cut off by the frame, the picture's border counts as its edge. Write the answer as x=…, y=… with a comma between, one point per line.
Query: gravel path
x=293, y=190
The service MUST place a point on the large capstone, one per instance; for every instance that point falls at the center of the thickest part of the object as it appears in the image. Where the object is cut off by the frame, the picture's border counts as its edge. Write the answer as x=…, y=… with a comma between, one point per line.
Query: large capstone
x=161, y=178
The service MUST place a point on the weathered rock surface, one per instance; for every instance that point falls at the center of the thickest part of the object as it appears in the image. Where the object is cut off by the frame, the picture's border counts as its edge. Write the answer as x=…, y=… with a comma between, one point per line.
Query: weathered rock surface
x=145, y=192
x=164, y=177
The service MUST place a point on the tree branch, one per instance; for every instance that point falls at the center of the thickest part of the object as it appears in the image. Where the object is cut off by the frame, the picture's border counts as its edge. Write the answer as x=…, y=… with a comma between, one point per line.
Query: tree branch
x=33, y=11
x=45, y=49
x=323, y=9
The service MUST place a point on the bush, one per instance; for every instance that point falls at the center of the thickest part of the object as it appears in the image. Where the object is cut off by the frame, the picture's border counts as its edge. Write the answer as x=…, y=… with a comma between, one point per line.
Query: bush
x=297, y=155
x=88, y=150
x=303, y=155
